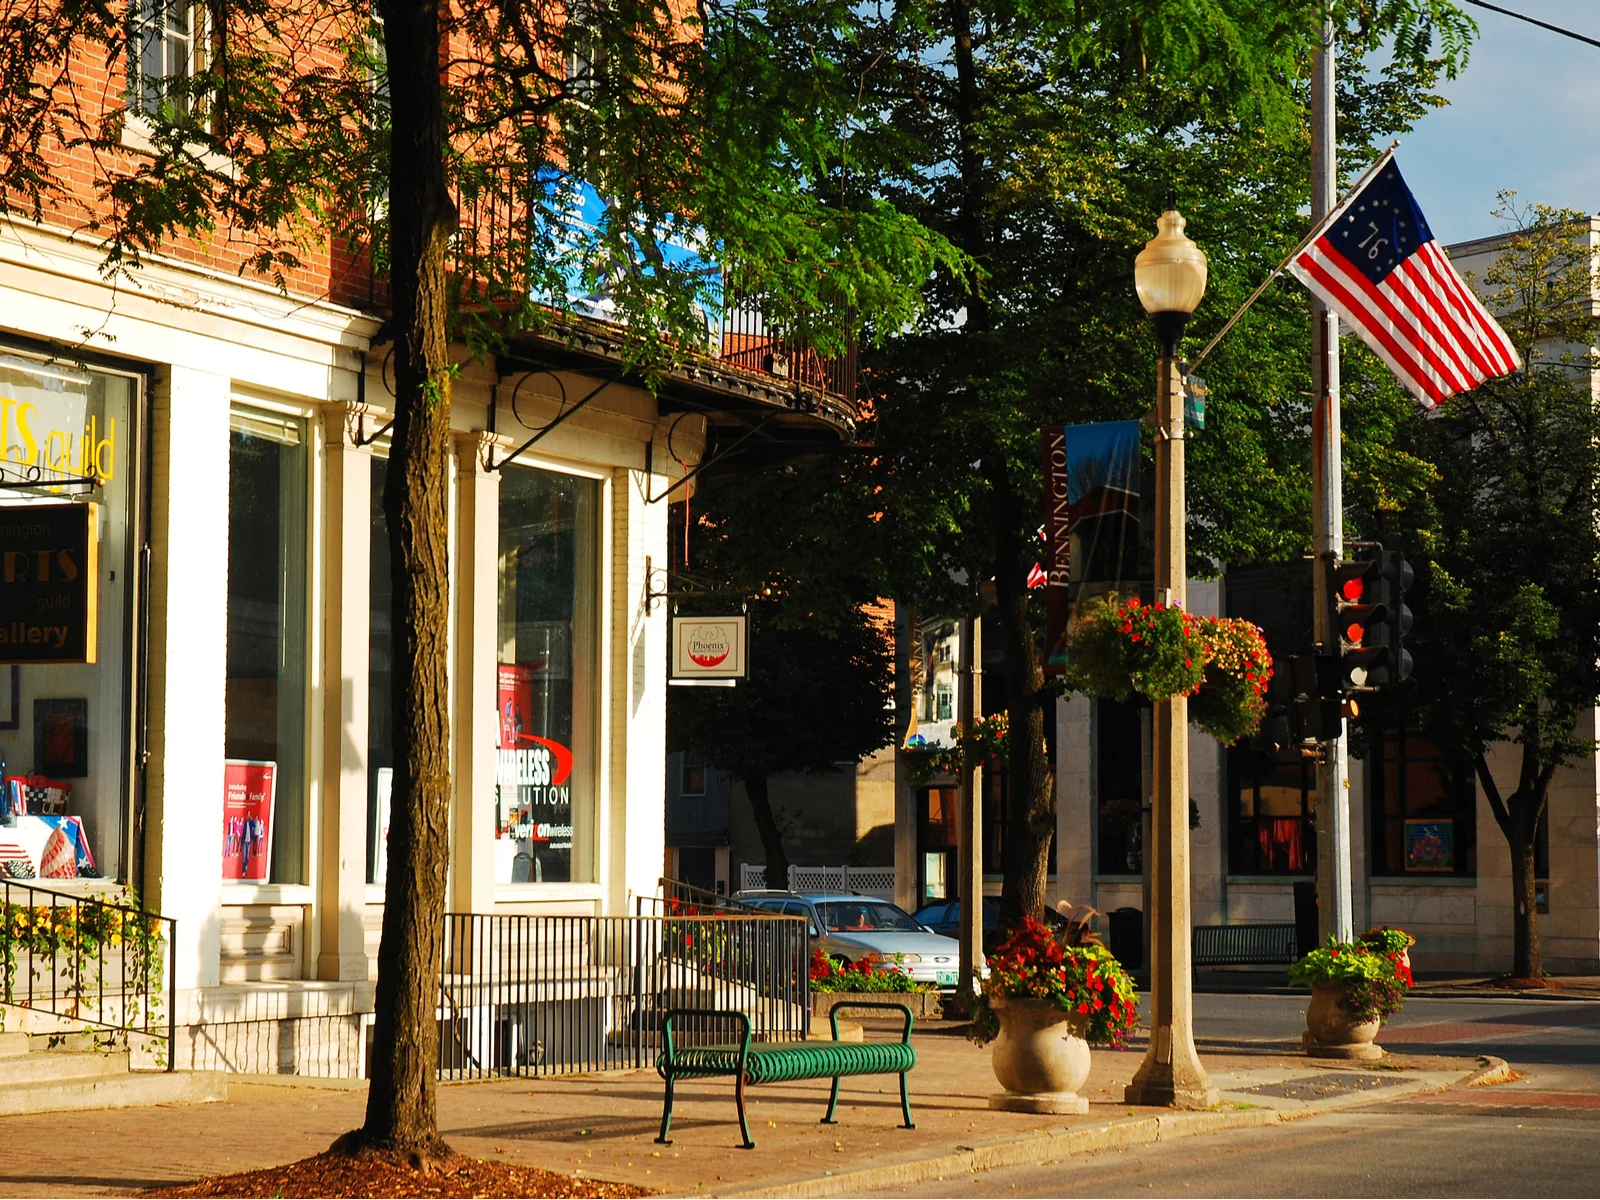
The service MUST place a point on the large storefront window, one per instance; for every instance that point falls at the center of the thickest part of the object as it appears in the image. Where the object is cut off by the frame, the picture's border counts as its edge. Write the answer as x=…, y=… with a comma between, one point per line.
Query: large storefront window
x=545, y=683
x=264, y=803
x=380, y=683
x=1271, y=827
x=1423, y=810
x=67, y=436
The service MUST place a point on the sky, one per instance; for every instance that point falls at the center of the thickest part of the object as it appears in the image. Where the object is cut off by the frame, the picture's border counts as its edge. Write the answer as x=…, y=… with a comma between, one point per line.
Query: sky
x=1525, y=114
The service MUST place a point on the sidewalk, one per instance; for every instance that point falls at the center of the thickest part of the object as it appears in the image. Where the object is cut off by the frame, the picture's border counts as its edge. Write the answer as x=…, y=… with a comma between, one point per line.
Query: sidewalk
x=604, y=1126
x=1274, y=981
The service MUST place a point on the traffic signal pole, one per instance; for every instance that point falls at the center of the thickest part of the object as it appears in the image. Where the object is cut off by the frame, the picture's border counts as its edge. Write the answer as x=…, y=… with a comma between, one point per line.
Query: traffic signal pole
x=1334, y=913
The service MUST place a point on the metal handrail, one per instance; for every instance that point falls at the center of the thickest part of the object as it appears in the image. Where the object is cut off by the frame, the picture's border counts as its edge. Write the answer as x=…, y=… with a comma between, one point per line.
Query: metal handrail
x=54, y=949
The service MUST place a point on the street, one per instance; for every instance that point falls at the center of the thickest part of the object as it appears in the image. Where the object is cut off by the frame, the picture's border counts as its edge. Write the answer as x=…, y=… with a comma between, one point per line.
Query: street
x=1536, y=1136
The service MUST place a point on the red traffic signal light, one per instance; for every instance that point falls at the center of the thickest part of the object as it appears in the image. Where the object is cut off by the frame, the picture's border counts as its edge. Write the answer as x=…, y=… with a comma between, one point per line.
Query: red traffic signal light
x=1355, y=616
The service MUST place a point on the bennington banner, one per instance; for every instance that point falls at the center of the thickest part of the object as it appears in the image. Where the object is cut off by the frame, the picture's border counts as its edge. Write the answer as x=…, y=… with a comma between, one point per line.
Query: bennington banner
x=47, y=583
x=1091, y=522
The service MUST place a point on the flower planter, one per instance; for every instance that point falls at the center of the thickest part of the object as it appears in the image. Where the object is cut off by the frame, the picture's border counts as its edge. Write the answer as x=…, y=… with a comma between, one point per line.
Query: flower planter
x=1331, y=1032
x=925, y=1006
x=1040, y=1057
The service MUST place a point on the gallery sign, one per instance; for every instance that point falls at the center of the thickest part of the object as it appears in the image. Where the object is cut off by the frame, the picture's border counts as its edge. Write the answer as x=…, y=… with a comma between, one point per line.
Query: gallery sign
x=708, y=647
x=48, y=577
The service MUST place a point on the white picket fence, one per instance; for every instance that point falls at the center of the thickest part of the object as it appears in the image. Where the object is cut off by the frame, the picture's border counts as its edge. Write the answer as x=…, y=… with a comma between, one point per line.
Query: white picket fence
x=868, y=881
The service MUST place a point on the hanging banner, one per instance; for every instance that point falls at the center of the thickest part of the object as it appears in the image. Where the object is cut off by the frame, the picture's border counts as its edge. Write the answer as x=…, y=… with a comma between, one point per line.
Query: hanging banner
x=1091, y=522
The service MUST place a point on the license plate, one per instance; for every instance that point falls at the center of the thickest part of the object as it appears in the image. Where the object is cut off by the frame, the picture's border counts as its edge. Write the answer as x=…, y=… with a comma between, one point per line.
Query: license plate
x=944, y=977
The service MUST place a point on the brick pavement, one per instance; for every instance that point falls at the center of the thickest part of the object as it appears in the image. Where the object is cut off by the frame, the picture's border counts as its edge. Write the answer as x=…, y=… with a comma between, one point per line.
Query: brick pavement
x=604, y=1125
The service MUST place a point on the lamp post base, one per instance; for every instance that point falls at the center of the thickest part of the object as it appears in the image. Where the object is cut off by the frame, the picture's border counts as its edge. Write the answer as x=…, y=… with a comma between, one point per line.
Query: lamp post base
x=1164, y=1093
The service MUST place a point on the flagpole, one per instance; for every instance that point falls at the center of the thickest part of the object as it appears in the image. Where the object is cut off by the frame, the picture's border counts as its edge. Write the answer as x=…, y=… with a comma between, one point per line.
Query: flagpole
x=1318, y=228
x=1334, y=914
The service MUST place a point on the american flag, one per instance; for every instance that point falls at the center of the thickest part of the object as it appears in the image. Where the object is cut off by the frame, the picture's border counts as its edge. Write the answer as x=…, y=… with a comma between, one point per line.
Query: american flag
x=1378, y=266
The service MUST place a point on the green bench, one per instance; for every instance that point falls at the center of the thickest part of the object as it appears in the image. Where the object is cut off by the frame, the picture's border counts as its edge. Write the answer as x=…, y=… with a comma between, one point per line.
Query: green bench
x=782, y=1062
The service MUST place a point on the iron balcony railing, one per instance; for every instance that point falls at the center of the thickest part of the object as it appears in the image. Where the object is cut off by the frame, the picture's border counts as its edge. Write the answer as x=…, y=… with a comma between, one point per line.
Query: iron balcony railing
x=543, y=995
x=108, y=966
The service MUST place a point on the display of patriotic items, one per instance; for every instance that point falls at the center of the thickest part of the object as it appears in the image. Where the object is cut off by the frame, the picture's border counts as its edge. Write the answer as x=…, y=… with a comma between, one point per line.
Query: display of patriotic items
x=1376, y=263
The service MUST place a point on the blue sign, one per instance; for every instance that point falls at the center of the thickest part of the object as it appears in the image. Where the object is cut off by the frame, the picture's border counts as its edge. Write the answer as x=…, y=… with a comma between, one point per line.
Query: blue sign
x=576, y=219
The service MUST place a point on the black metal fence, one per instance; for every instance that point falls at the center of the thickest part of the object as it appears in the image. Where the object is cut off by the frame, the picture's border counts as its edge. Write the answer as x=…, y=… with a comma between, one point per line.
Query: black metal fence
x=81, y=958
x=546, y=995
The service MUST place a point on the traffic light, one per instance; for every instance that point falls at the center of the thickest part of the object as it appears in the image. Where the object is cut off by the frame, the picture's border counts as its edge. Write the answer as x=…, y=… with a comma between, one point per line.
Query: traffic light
x=1394, y=580
x=1317, y=708
x=1355, y=614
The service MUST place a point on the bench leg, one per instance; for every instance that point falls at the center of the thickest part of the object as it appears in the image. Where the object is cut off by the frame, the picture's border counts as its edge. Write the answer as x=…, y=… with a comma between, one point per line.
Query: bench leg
x=905, y=1101
x=666, y=1114
x=833, y=1103
x=744, y=1126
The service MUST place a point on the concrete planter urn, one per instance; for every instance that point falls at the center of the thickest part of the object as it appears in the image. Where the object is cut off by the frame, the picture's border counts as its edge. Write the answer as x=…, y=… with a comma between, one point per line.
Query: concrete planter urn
x=1040, y=1057
x=1331, y=1030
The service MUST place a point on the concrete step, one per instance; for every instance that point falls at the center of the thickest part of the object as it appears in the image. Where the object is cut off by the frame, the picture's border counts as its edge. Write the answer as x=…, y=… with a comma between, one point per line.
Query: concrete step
x=34, y=1020
x=131, y=1090
x=60, y=1067
x=12, y=1044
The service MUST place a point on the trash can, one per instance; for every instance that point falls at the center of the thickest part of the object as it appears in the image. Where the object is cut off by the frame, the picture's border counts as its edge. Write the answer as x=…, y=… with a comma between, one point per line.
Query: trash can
x=1127, y=937
x=1305, y=917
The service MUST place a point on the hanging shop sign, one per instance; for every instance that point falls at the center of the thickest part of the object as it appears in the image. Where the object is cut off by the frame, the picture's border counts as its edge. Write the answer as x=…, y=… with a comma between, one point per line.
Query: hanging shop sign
x=48, y=576
x=705, y=648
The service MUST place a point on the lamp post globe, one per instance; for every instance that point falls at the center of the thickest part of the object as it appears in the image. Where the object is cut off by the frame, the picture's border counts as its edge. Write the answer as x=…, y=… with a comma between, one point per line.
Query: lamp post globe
x=1170, y=277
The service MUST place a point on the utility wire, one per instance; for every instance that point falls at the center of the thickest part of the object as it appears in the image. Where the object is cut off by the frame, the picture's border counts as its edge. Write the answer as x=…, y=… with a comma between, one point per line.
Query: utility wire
x=1506, y=12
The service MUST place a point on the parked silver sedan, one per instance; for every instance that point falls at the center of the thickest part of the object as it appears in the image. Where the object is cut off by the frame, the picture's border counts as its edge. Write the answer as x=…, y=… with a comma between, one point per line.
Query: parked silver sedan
x=864, y=931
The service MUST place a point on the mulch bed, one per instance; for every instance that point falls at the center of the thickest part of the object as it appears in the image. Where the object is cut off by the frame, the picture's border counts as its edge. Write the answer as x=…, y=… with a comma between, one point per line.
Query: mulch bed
x=341, y=1175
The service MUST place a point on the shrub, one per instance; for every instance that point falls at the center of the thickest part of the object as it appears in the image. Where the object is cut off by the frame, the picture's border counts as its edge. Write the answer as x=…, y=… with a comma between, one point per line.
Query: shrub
x=829, y=976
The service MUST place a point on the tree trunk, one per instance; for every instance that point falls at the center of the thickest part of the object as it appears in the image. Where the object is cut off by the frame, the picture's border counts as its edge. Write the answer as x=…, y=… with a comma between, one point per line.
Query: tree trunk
x=1030, y=804
x=1525, y=959
x=401, y=1115
x=755, y=787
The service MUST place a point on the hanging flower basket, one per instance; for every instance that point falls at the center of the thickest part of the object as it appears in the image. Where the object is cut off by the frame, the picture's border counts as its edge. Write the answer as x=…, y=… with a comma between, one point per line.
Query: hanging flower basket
x=1117, y=650
x=1232, y=699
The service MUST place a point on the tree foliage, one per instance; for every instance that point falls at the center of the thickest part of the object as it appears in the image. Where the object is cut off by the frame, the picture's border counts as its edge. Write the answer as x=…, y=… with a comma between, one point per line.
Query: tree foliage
x=1043, y=139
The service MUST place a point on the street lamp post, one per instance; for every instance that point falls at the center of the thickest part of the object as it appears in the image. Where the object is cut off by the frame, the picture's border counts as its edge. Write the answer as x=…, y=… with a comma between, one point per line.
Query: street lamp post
x=1170, y=276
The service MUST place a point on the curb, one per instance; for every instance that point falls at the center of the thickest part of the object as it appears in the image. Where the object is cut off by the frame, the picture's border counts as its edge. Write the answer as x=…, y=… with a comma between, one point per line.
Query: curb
x=1014, y=1152
x=1055, y=1144
x=1494, y=1070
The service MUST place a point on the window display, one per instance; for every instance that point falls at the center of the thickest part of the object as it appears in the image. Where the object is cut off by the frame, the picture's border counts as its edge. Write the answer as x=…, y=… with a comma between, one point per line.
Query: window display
x=67, y=450
x=545, y=683
x=265, y=720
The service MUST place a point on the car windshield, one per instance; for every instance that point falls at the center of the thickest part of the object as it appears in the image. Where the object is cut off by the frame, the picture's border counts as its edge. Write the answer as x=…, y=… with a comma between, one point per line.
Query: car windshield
x=861, y=916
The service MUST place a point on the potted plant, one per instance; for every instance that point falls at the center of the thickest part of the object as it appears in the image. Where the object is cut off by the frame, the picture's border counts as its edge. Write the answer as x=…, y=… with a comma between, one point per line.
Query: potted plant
x=1355, y=987
x=1048, y=996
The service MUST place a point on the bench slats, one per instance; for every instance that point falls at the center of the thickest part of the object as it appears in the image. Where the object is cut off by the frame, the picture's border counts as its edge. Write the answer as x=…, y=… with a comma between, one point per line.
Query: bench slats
x=1262, y=944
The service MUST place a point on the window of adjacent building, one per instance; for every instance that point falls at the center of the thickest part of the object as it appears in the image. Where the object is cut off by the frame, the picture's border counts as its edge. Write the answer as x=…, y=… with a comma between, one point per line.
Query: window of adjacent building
x=65, y=727
x=545, y=698
x=1119, y=744
x=996, y=803
x=1424, y=809
x=692, y=781
x=380, y=685
x=1271, y=827
x=265, y=801
x=166, y=35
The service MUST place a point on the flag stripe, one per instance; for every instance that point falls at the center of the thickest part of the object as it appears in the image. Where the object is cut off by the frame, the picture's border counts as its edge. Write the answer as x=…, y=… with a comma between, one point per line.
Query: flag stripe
x=1482, y=357
x=1417, y=294
x=1483, y=324
x=1353, y=301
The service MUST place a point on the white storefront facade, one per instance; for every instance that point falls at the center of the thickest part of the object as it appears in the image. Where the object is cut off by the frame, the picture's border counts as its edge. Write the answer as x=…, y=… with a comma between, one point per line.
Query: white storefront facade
x=228, y=750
